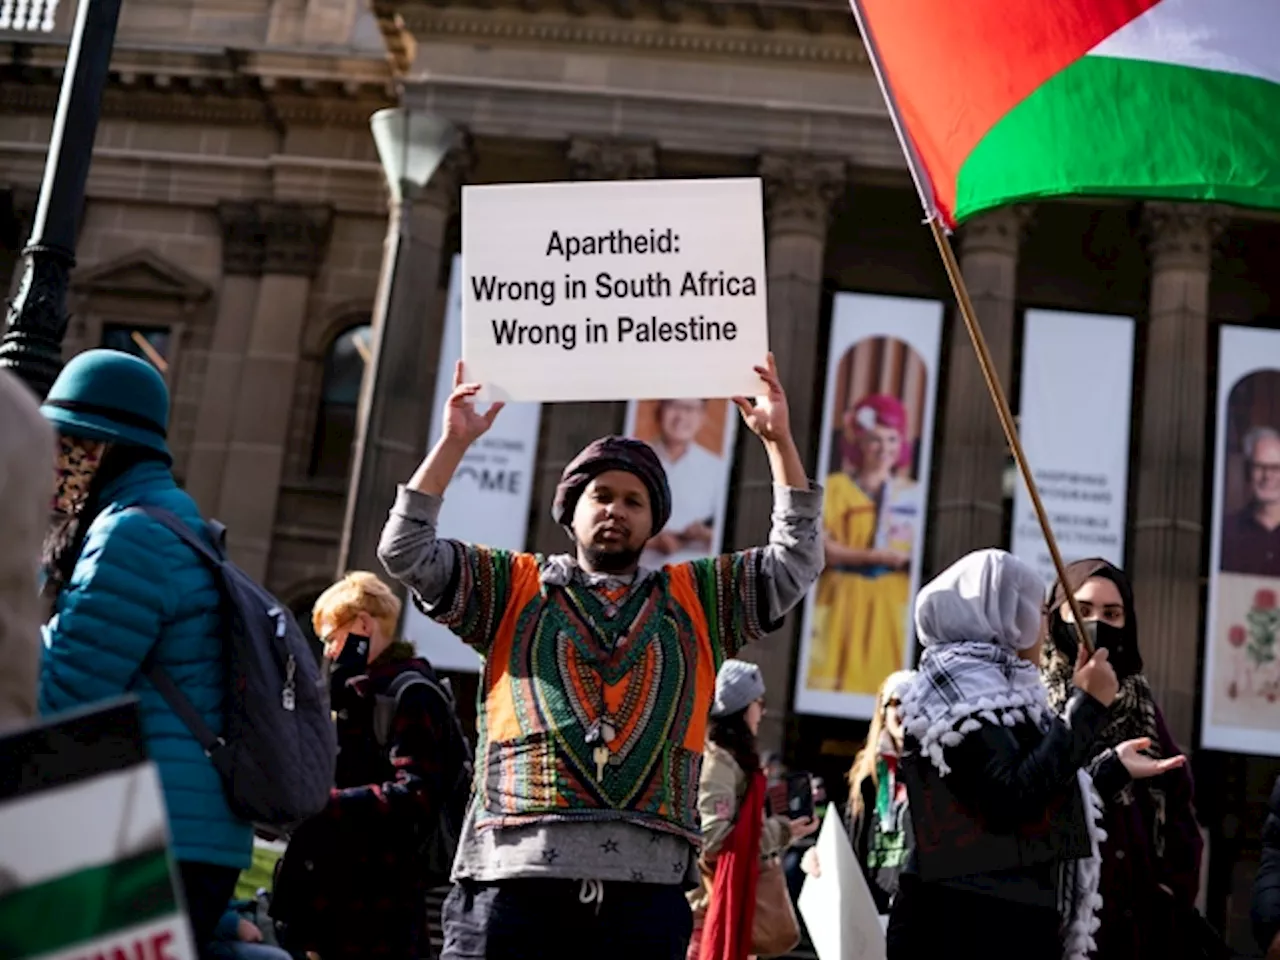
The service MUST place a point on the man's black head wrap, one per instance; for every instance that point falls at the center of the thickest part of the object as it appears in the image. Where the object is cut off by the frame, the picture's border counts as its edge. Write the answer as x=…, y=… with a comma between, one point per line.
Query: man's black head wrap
x=614, y=453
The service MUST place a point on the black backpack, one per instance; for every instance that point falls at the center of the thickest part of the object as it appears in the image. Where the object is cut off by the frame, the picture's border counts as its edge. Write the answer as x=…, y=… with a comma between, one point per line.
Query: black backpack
x=438, y=842
x=278, y=751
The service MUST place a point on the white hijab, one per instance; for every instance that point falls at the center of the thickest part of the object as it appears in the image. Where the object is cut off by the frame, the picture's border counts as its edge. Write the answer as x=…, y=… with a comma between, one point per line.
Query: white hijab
x=972, y=620
x=987, y=596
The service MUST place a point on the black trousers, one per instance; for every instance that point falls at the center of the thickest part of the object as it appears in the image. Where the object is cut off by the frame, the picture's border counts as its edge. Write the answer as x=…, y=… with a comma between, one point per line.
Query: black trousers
x=930, y=921
x=207, y=889
x=547, y=920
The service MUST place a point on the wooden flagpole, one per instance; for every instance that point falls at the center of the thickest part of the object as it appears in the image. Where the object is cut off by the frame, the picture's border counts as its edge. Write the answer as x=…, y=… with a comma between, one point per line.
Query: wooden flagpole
x=924, y=188
x=145, y=346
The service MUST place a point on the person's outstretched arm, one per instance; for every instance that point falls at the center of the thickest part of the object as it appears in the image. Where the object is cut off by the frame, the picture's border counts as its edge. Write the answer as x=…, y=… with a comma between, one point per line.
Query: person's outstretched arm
x=1008, y=785
x=746, y=595
x=463, y=586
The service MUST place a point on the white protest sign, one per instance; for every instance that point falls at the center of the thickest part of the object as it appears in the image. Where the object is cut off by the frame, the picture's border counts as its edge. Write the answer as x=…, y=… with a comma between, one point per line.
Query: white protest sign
x=836, y=905
x=614, y=290
x=1076, y=441
x=487, y=501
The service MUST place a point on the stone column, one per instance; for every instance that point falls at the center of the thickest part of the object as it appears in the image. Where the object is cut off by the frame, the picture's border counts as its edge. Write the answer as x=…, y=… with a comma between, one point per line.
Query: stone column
x=294, y=240
x=800, y=192
x=242, y=257
x=568, y=427
x=407, y=357
x=968, y=509
x=1168, y=522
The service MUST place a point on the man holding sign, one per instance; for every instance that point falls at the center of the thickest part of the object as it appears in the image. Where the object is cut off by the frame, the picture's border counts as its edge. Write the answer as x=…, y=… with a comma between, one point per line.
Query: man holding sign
x=599, y=674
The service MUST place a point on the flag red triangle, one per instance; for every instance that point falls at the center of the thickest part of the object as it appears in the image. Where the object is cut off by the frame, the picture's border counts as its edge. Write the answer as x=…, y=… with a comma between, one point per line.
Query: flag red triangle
x=955, y=68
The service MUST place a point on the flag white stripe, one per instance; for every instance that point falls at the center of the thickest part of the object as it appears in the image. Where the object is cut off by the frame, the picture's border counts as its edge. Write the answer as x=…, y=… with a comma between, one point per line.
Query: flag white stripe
x=1227, y=36
x=89, y=823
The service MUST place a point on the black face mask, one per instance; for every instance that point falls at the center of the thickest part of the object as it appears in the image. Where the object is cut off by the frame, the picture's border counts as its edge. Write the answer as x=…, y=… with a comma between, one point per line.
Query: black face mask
x=352, y=661
x=1122, y=653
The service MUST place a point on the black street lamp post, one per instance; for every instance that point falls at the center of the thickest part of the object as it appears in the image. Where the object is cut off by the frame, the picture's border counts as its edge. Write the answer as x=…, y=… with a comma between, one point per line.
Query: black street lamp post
x=32, y=346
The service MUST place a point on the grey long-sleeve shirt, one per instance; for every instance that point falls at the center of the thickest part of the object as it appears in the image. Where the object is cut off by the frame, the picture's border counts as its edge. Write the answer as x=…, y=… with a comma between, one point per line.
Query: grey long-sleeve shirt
x=430, y=567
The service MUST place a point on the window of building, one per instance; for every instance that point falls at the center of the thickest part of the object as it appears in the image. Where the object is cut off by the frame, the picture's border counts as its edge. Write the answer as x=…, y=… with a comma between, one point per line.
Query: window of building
x=124, y=337
x=339, y=397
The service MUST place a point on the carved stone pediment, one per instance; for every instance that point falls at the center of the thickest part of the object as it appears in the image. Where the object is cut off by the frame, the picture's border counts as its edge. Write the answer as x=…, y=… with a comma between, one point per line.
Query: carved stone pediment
x=142, y=274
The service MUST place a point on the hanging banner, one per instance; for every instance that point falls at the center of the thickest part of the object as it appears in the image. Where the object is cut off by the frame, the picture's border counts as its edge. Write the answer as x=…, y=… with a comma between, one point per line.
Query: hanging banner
x=1241, y=694
x=85, y=869
x=1076, y=437
x=877, y=436
x=614, y=290
x=694, y=440
x=488, y=500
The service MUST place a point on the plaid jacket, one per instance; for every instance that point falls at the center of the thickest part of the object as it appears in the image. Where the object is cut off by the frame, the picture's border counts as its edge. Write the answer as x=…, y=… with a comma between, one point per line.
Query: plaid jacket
x=351, y=883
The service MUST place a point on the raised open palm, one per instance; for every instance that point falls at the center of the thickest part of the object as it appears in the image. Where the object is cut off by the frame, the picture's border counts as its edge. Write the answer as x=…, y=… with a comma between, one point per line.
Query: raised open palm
x=1141, y=766
x=768, y=418
x=462, y=422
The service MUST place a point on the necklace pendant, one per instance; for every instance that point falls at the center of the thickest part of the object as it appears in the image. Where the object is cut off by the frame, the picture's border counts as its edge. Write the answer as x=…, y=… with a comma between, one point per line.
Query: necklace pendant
x=601, y=757
x=608, y=731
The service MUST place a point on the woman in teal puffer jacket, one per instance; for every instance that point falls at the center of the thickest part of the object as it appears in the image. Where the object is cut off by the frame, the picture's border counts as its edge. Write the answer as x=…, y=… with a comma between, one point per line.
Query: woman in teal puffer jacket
x=121, y=584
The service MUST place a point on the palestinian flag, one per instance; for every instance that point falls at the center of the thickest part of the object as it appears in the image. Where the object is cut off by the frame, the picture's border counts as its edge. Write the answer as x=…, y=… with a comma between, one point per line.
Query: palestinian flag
x=85, y=871
x=1009, y=100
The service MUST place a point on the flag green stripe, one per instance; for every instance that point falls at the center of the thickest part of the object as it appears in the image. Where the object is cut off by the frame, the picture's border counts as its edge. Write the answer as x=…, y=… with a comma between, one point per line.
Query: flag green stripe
x=84, y=905
x=1118, y=127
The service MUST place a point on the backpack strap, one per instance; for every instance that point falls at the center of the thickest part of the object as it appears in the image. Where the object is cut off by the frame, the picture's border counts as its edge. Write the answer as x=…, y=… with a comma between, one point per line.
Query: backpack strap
x=440, y=688
x=179, y=528
x=388, y=703
x=178, y=702
x=403, y=681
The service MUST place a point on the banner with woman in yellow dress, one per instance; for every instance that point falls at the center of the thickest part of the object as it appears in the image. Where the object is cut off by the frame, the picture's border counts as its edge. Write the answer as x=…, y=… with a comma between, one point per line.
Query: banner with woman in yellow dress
x=877, y=433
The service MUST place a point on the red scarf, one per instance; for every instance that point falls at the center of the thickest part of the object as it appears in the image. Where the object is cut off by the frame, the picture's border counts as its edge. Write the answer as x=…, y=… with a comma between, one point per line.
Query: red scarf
x=726, y=931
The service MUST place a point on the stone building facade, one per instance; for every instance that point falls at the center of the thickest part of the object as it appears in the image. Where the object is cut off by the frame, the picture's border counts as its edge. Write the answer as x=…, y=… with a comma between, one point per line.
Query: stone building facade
x=236, y=214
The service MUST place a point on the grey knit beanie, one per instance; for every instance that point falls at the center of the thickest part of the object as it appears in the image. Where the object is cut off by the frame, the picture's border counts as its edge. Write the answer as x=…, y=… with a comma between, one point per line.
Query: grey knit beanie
x=738, y=685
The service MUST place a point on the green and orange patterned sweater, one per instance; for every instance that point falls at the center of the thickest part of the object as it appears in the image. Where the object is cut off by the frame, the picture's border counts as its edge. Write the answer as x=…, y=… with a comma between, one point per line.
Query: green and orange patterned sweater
x=595, y=693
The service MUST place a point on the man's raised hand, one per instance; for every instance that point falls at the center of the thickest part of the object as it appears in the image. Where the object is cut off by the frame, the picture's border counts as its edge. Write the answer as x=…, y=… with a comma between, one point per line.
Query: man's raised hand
x=462, y=422
x=769, y=417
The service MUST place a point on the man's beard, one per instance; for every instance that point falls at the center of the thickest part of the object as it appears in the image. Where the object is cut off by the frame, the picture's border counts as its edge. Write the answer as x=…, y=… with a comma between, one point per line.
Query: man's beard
x=610, y=561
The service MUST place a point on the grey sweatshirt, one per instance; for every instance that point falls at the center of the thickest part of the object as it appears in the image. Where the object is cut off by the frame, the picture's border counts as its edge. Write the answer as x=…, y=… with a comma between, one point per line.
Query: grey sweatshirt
x=614, y=852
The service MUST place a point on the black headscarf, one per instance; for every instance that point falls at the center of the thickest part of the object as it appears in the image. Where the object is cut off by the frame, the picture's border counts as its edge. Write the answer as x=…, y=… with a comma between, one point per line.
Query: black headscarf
x=614, y=453
x=1122, y=650
x=1133, y=714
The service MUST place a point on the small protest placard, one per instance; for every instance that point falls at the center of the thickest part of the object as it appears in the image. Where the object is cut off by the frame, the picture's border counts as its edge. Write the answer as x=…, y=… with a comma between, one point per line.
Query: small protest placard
x=85, y=870
x=836, y=905
x=614, y=290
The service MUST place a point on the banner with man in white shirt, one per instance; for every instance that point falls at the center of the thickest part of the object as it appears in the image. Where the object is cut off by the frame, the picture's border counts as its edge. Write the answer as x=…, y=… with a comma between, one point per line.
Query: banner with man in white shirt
x=694, y=440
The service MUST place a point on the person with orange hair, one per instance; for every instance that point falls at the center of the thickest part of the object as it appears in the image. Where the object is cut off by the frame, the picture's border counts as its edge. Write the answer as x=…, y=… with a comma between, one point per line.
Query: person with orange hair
x=871, y=517
x=354, y=880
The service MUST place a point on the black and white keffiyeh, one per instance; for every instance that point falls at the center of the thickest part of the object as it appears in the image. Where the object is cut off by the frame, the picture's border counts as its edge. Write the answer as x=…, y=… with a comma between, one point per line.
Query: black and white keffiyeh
x=961, y=684
x=971, y=621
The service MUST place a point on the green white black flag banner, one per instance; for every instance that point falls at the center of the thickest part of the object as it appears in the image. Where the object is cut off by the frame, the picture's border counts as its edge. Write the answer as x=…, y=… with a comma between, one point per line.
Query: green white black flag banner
x=85, y=871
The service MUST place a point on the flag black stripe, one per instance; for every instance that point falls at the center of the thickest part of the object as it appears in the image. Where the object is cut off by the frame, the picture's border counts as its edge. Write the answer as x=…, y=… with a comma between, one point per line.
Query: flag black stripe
x=72, y=746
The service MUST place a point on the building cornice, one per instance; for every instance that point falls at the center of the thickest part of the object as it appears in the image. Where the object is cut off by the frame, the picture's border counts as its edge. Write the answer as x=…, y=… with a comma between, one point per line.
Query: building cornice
x=810, y=31
x=205, y=180
x=207, y=86
x=471, y=25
